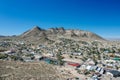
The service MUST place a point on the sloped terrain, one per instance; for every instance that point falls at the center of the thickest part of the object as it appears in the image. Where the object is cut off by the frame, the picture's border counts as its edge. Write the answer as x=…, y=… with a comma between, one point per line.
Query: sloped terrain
x=37, y=35
x=28, y=71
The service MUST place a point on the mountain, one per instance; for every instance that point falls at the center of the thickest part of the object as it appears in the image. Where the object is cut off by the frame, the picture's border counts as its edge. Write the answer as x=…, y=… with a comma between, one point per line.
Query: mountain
x=38, y=34
x=1, y=36
x=36, y=31
x=113, y=39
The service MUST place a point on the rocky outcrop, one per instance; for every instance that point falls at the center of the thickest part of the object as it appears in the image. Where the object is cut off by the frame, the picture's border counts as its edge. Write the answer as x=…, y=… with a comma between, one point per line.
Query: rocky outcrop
x=36, y=33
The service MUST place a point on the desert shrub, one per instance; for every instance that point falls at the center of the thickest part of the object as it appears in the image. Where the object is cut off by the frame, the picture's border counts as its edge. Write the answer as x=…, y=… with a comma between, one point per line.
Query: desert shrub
x=3, y=56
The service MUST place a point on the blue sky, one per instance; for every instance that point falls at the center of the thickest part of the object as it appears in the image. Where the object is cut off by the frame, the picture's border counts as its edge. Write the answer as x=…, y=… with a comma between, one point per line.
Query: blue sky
x=99, y=16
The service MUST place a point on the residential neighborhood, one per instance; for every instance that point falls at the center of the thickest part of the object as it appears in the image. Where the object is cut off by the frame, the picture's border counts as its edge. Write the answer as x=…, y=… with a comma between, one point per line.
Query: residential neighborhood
x=81, y=60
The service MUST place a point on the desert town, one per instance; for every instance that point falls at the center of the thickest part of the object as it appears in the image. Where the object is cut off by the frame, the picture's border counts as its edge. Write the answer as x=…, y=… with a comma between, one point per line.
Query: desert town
x=76, y=60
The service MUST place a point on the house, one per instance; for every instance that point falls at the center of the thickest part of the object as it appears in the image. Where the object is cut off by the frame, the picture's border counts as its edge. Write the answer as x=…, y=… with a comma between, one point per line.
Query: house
x=32, y=52
x=50, y=54
x=117, y=54
x=37, y=57
x=73, y=64
x=102, y=71
x=116, y=59
x=77, y=54
x=94, y=77
x=90, y=62
x=10, y=52
x=27, y=59
x=110, y=63
x=82, y=67
x=98, y=69
x=89, y=67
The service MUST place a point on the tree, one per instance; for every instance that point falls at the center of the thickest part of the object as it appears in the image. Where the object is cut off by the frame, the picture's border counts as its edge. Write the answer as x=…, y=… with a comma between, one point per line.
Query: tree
x=71, y=56
x=3, y=56
x=59, y=58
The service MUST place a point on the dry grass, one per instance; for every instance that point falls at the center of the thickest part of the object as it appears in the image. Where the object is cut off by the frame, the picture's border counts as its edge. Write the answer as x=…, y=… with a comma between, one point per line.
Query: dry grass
x=28, y=71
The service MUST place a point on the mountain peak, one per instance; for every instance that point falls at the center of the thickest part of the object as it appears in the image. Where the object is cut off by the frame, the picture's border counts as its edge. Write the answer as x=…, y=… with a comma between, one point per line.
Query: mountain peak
x=36, y=28
x=57, y=30
x=36, y=32
x=33, y=32
x=61, y=28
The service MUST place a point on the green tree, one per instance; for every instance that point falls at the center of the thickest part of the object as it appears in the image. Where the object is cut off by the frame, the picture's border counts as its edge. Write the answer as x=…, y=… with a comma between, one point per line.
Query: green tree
x=59, y=58
x=3, y=56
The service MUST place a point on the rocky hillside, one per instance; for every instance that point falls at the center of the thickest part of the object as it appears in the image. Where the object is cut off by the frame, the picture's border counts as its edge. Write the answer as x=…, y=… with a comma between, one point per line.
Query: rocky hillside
x=36, y=34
